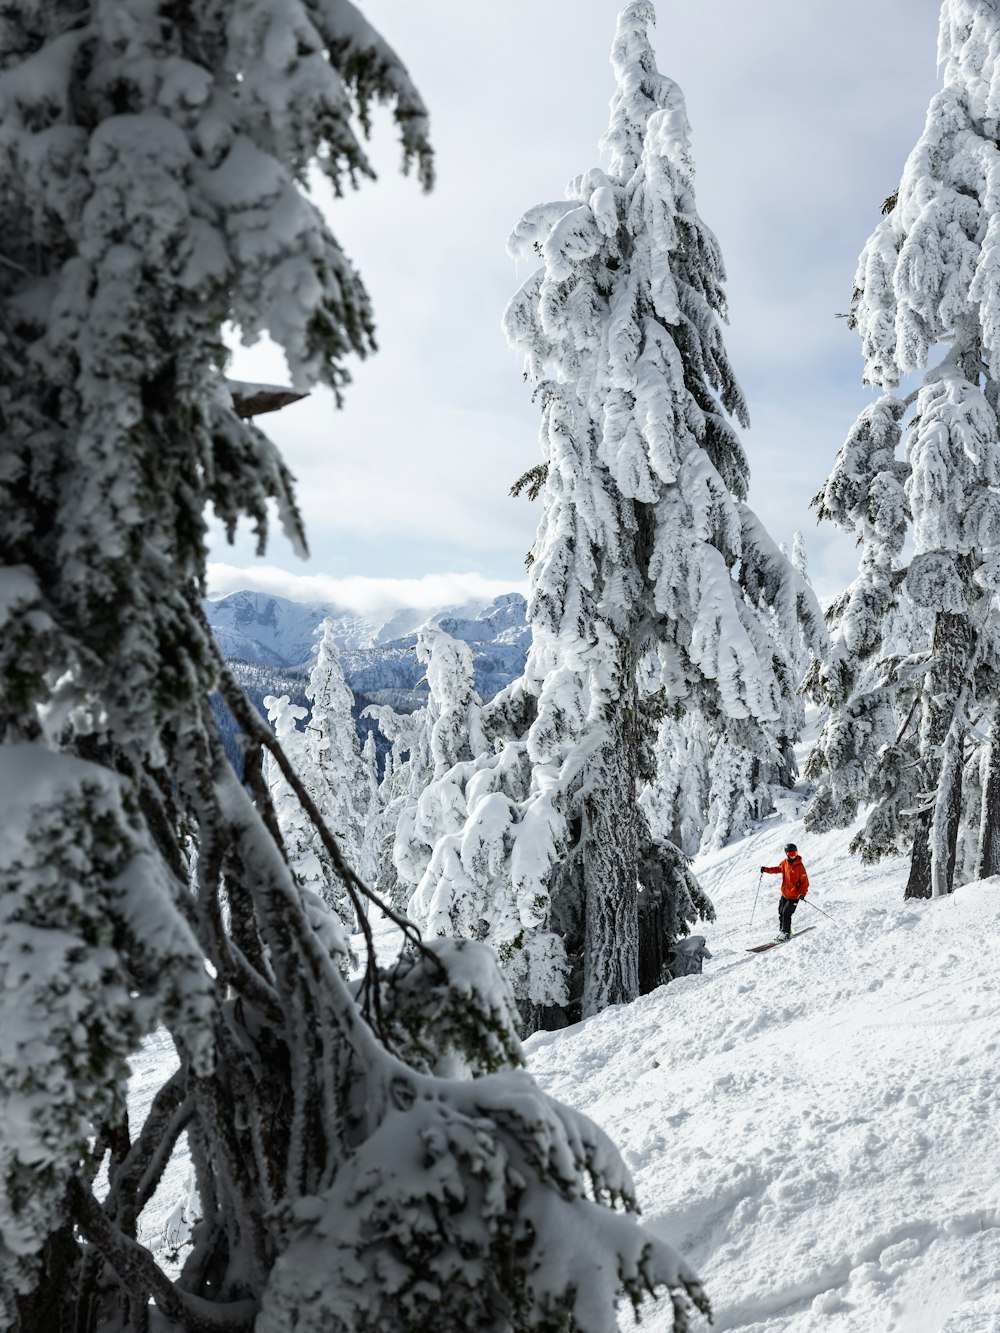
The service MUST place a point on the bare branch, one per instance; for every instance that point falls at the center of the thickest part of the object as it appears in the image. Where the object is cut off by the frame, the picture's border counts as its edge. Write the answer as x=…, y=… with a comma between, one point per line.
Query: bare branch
x=142, y=1276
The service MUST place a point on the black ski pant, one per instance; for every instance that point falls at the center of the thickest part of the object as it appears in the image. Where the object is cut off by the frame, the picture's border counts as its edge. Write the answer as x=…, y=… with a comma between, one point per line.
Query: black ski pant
x=786, y=906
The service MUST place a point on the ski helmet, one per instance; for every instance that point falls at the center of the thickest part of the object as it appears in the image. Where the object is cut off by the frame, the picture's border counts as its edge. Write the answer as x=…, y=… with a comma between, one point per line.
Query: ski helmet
x=790, y=847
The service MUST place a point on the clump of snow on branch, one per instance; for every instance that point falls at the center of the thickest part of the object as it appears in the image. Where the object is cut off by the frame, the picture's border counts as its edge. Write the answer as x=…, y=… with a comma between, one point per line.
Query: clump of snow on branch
x=77, y=871
x=457, y=1184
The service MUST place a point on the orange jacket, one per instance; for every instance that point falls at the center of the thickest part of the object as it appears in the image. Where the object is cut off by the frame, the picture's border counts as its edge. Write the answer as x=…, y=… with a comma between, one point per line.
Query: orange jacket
x=794, y=880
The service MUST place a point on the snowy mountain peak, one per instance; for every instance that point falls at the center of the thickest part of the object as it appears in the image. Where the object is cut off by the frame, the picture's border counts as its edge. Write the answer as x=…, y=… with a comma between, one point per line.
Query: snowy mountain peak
x=259, y=627
x=377, y=654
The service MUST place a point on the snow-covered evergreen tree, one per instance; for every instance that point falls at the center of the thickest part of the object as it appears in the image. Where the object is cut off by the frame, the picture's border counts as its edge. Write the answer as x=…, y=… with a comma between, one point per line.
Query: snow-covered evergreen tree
x=373, y=811
x=642, y=545
x=798, y=557
x=425, y=744
x=326, y=755
x=715, y=775
x=915, y=656
x=871, y=678
x=343, y=774
x=406, y=772
x=453, y=733
x=801, y=660
x=153, y=157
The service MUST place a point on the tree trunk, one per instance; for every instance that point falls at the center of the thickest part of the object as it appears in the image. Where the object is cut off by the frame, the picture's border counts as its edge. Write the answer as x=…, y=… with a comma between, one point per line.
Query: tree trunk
x=988, y=858
x=652, y=953
x=610, y=857
x=932, y=860
x=919, y=883
x=947, y=810
x=788, y=769
x=48, y=1307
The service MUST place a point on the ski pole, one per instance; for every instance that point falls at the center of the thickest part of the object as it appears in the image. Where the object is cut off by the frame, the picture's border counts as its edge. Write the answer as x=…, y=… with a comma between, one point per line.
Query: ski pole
x=819, y=909
x=756, y=895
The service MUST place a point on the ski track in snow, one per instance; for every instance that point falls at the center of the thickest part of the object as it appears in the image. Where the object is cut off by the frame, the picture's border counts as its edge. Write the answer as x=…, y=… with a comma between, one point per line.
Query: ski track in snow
x=814, y=1127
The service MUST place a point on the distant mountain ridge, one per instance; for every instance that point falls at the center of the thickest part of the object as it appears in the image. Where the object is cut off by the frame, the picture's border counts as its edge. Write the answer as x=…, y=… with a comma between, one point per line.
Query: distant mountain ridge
x=377, y=655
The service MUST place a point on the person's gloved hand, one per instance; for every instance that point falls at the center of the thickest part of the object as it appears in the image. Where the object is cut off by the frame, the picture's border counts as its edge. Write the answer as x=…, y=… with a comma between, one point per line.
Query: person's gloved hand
x=763, y=870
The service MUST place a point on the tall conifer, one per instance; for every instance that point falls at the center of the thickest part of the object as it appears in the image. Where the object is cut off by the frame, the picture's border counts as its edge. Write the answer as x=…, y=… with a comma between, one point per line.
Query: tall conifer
x=914, y=668
x=648, y=573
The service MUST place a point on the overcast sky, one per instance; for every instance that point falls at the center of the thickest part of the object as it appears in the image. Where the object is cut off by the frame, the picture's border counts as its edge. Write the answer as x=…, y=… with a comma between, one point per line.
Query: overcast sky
x=802, y=116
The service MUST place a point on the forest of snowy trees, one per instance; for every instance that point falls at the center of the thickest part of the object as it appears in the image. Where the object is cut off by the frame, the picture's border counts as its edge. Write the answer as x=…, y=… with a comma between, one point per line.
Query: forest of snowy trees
x=368, y=1151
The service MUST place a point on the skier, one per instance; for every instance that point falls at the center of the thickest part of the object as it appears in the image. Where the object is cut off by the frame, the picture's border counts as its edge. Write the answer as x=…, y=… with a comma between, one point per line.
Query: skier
x=794, y=885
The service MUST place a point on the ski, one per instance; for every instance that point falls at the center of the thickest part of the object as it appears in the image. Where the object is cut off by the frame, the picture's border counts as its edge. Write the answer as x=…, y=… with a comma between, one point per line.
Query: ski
x=773, y=944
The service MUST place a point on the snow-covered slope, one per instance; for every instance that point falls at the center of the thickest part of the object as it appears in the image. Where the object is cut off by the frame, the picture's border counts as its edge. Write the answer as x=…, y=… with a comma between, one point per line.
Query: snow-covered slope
x=815, y=1127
